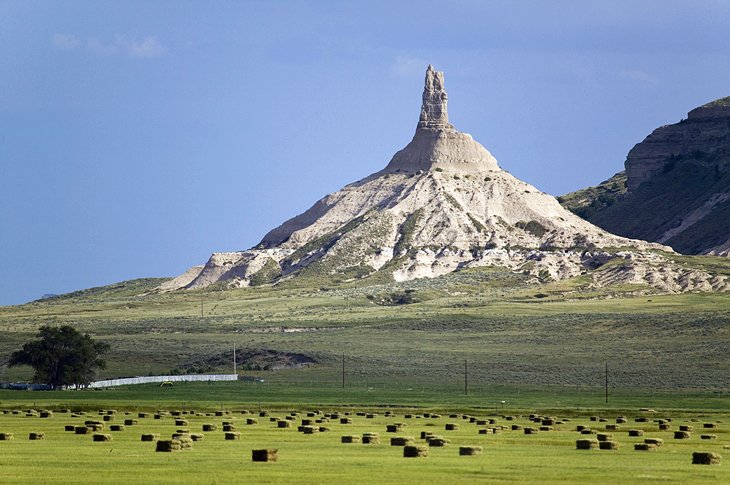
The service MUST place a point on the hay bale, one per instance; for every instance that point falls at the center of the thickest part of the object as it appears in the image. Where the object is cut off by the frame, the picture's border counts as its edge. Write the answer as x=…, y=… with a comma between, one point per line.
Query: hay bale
x=250, y=421
x=371, y=438
x=265, y=455
x=309, y=429
x=46, y=414
x=345, y=421
x=168, y=446
x=687, y=428
x=612, y=427
x=581, y=427
x=150, y=437
x=6, y=436
x=530, y=430
x=283, y=424
x=682, y=435
x=130, y=422
x=586, y=444
x=515, y=427
x=69, y=427
x=36, y=436
x=704, y=425
x=546, y=428
x=705, y=458
x=81, y=430
x=229, y=427
x=197, y=437
x=708, y=436
x=621, y=420
x=451, y=427
x=210, y=427
x=665, y=427
x=108, y=418
x=186, y=442
x=402, y=441
x=636, y=432
x=604, y=436
x=233, y=435
x=116, y=427
x=485, y=431
x=425, y=435
x=350, y=439
x=437, y=441
x=101, y=437
x=641, y=420
x=496, y=430
x=470, y=450
x=411, y=451
x=644, y=447
x=608, y=445
x=324, y=429
x=181, y=422
x=143, y=415
x=481, y=422
x=654, y=441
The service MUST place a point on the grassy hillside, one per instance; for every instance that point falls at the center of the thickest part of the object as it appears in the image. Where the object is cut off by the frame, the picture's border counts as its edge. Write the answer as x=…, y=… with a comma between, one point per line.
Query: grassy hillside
x=587, y=202
x=511, y=331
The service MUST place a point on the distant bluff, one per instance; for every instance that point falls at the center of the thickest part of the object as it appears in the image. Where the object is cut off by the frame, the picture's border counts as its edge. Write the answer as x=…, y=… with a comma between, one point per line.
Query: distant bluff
x=441, y=204
x=675, y=189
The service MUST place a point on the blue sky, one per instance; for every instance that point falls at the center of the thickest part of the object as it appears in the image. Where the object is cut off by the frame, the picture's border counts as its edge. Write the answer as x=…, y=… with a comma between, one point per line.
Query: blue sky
x=138, y=137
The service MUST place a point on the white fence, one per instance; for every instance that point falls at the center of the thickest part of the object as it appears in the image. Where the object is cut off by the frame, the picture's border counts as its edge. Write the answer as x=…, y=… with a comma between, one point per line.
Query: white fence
x=150, y=379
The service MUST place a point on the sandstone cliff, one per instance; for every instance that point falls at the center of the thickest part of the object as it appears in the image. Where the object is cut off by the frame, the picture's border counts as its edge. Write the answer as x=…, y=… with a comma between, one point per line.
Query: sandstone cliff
x=677, y=188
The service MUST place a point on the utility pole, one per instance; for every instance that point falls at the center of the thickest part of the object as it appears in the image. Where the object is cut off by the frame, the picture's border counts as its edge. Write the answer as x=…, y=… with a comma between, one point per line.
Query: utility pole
x=607, y=382
x=343, y=370
x=466, y=378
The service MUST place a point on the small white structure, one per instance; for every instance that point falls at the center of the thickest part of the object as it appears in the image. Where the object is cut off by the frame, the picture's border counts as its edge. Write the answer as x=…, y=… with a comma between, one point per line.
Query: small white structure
x=151, y=379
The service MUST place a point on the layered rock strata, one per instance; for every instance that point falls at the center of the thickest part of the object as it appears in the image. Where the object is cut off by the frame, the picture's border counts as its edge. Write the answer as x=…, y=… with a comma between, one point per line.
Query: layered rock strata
x=442, y=203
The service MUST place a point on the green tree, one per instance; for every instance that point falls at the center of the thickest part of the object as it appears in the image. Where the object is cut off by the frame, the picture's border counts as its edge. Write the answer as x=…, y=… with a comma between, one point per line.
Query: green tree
x=62, y=356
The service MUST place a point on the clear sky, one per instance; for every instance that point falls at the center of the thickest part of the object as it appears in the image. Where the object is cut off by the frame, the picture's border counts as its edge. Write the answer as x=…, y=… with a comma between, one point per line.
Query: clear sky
x=137, y=137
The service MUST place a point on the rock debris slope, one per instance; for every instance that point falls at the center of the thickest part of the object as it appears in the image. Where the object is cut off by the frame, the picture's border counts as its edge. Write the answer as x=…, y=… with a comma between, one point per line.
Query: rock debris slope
x=441, y=204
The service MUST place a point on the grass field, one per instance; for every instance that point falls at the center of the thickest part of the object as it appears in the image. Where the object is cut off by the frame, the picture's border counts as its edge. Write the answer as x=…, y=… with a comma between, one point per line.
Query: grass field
x=508, y=455
x=510, y=333
x=527, y=349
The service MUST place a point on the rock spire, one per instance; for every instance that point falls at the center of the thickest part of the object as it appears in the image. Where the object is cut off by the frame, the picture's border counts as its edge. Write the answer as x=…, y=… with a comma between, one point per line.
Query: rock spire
x=437, y=144
x=434, y=112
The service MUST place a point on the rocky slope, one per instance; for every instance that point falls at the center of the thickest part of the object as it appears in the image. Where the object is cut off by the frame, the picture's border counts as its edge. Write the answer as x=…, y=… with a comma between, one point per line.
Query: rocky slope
x=677, y=189
x=442, y=203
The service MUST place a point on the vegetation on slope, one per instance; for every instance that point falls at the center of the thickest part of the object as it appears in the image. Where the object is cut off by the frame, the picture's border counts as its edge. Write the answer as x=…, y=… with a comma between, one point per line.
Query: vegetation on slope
x=587, y=202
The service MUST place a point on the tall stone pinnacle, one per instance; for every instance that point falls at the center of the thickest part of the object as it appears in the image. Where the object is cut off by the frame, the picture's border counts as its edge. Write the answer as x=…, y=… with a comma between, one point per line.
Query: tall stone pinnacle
x=436, y=143
x=434, y=113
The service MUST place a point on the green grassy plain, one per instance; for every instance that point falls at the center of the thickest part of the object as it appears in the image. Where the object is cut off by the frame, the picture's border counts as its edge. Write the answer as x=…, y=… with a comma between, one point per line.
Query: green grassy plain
x=529, y=348
x=508, y=456
x=509, y=330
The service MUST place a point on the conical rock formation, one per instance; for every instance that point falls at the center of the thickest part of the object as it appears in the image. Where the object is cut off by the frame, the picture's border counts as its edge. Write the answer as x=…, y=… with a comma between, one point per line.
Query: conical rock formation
x=441, y=204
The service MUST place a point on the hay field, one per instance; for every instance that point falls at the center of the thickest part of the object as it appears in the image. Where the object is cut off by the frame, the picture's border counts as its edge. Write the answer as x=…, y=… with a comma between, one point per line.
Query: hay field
x=471, y=451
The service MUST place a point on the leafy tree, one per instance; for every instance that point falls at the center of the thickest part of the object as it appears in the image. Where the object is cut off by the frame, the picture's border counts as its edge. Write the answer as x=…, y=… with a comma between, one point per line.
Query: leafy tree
x=61, y=356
